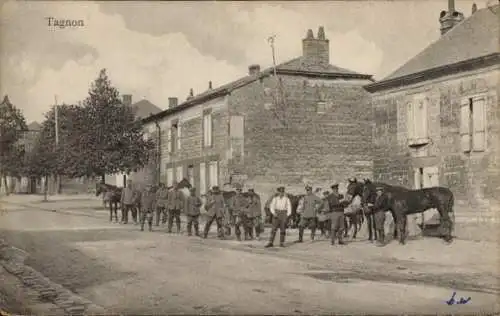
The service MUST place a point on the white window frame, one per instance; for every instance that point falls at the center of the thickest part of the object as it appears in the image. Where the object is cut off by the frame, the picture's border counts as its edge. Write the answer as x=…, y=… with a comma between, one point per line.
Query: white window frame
x=170, y=176
x=179, y=135
x=213, y=171
x=418, y=119
x=473, y=122
x=321, y=107
x=190, y=175
x=207, y=129
x=169, y=139
x=179, y=175
x=203, y=178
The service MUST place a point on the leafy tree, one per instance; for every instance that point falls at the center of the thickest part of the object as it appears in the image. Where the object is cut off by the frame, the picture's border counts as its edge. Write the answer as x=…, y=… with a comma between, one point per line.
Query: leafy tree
x=106, y=138
x=12, y=127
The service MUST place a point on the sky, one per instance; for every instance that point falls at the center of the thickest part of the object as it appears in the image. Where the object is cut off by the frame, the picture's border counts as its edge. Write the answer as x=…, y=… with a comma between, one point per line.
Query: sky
x=157, y=50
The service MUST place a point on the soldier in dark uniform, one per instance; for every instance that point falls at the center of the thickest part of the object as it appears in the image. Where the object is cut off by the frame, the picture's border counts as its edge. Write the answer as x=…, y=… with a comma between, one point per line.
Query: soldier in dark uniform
x=192, y=210
x=127, y=201
x=161, y=204
x=337, y=215
x=281, y=208
x=379, y=209
x=175, y=204
x=310, y=206
x=148, y=200
x=254, y=214
x=215, y=210
x=238, y=207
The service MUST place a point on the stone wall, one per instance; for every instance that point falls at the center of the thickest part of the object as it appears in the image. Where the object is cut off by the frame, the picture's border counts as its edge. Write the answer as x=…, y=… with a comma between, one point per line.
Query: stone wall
x=474, y=177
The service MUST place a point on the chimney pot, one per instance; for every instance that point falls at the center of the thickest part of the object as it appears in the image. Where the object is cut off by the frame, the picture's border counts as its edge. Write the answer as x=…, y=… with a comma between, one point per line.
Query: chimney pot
x=127, y=99
x=321, y=33
x=448, y=19
x=474, y=8
x=253, y=69
x=210, y=85
x=309, y=34
x=191, y=94
x=172, y=102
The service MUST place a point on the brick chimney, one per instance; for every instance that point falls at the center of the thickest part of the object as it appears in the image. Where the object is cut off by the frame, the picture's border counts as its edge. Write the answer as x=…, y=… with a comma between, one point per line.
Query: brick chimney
x=210, y=85
x=127, y=99
x=191, y=94
x=253, y=69
x=316, y=51
x=448, y=19
x=474, y=8
x=172, y=102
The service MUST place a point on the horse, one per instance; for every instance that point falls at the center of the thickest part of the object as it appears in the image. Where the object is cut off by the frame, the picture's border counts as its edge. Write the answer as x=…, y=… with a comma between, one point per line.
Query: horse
x=403, y=202
x=354, y=216
x=113, y=195
x=356, y=188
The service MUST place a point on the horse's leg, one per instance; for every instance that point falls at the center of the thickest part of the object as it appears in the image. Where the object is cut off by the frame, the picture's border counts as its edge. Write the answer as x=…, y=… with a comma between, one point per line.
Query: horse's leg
x=395, y=233
x=402, y=228
x=356, y=221
x=110, y=211
x=445, y=222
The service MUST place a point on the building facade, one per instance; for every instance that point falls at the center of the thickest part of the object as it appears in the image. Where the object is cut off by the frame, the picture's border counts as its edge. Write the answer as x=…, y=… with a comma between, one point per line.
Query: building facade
x=304, y=121
x=437, y=118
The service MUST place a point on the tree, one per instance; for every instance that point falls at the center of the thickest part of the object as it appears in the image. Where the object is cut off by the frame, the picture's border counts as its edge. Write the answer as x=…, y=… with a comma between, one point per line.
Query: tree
x=105, y=137
x=12, y=128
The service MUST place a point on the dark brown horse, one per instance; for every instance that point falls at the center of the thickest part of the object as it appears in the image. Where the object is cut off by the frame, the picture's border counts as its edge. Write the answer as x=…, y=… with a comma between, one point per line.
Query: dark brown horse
x=114, y=195
x=403, y=202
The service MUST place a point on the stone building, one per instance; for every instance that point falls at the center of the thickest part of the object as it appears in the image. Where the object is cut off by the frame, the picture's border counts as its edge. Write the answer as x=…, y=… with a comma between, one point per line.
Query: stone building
x=437, y=117
x=305, y=120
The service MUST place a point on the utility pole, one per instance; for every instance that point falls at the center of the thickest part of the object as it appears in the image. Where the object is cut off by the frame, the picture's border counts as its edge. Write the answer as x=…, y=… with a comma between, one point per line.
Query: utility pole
x=271, y=39
x=56, y=116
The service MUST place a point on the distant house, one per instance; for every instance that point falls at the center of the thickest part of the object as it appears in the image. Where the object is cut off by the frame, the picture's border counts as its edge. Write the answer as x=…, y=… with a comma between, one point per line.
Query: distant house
x=142, y=109
x=437, y=117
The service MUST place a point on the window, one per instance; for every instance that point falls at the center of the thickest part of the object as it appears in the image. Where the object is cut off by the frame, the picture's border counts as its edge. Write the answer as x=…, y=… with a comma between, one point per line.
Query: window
x=203, y=178
x=174, y=142
x=213, y=172
x=178, y=136
x=472, y=124
x=169, y=140
x=190, y=174
x=417, y=119
x=179, y=174
x=207, y=129
x=170, y=176
x=236, y=126
x=426, y=177
x=321, y=107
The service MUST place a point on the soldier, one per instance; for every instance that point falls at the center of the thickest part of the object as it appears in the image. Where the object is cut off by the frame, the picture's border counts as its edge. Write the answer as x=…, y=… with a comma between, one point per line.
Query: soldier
x=215, y=210
x=148, y=200
x=323, y=216
x=127, y=201
x=254, y=214
x=379, y=209
x=310, y=205
x=175, y=204
x=268, y=214
x=161, y=204
x=280, y=207
x=192, y=209
x=238, y=207
x=337, y=215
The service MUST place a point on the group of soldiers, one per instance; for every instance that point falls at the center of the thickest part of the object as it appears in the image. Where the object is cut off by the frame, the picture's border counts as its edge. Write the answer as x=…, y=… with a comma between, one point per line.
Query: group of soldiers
x=243, y=211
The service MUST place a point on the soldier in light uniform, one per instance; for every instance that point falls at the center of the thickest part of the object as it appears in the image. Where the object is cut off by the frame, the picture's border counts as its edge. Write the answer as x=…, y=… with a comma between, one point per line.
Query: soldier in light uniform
x=215, y=210
x=254, y=214
x=161, y=204
x=337, y=215
x=379, y=209
x=148, y=201
x=281, y=209
x=175, y=204
x=310, y=206
x=192, y=210
x=238, y=207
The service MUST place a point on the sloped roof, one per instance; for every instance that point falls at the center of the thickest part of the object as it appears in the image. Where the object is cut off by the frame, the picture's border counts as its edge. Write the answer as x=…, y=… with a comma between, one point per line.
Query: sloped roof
x=34, y=126
x=296, y=66
x=144, y=108
x=476, y=36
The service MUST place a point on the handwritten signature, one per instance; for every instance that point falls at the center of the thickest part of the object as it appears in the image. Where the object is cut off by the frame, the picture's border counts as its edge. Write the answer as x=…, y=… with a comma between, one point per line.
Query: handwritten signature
x=453, y=301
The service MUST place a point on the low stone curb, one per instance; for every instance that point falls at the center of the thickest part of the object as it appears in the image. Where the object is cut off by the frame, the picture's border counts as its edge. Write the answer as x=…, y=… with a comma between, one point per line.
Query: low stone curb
x=12, y=259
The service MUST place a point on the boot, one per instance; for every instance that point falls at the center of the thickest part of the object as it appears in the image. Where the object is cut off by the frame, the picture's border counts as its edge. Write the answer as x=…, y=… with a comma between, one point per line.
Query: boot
x=196, y=230
x=380, y=240
x=301, y=234
x=282, y=239
x=313, y=233
x=341, y=242
x=271, y=239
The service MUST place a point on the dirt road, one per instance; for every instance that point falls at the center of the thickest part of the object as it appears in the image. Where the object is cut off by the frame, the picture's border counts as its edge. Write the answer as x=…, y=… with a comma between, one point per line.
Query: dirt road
x=128, y=271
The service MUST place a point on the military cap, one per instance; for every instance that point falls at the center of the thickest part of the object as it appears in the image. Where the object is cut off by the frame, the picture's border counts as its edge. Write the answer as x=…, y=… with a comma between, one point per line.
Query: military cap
x=379, y=188
x=215, y=188
x=308, y=187
x=281, y=189
x=335, y=186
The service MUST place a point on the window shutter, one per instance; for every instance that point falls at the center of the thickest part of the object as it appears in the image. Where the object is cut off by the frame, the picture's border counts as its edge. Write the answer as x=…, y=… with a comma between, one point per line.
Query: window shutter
x=214, y=173
x=465, y=125
x=410, y=121
x=179, y=136
x=210, y=129
x=179, y=175
x=203, y=178
x=169, y=140
x=170, y=176
x=479, y=124
x=236, y=126
x=423, y=119
x=417, y=178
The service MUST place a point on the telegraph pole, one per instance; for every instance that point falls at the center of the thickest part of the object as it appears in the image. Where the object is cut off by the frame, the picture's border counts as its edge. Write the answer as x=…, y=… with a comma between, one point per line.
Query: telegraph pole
x=283, y=106
x=56, y=117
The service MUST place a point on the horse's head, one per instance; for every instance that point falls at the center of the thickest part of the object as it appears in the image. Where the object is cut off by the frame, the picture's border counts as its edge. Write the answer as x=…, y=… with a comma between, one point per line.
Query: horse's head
x=353, y=188
x=368, y=194
x=99, y=188
x=184, y=183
